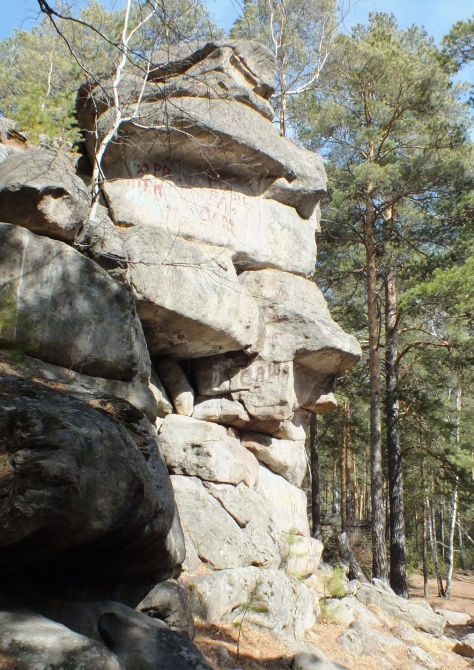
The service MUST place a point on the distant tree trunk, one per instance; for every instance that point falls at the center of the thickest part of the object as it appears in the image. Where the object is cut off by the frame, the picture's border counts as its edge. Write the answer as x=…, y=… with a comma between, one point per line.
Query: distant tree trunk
x=425, y=551
x=343, y=469
x=441, y=533
x=462, y=561
x=315, y=485
x=449, y=576
x=454, y=505
x=417, y=520
x=379, y=552
x=349, y=466
x=434, y=550
x=398, y=557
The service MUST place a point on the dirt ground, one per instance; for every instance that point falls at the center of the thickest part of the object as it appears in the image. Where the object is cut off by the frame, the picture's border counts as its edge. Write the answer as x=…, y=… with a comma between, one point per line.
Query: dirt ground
x=262, y=651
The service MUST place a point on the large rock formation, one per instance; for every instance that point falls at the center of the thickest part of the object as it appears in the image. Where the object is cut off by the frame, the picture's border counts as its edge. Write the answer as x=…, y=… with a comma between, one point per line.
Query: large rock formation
x=159, y=367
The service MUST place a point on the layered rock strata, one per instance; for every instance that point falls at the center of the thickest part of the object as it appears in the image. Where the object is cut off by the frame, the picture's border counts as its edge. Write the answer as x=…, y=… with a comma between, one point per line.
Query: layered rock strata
x=160, y=365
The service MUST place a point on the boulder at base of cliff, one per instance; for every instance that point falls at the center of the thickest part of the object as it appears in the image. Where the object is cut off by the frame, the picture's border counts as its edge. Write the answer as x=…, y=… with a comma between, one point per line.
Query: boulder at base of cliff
x=168, y=601
x=85, y=497
x=37, y=642
x=269, y=599
x=419, y=615
x=141, y=645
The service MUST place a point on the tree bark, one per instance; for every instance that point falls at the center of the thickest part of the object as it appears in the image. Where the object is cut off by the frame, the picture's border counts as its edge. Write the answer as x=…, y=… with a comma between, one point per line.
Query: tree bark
x=315, y=483
x=425, y=552
x=398, y=557
x=343, y=474
x=454, y=506
x=441, y=533
x=462, y=561
x=434, y=550
x=449, y=576
x=379, y=553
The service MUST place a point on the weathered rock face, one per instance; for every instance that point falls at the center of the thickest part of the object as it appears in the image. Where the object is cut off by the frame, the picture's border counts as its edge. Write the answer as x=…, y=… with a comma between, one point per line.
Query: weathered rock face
x=39, y=642
x=95, y=390
x=166, y=275
x=298, y=325
x=39, y=191
x=265, y=389
x=283, y=457
x=205, y=450
x=259, y=233
x=202, y=127
x=218, y=530
x=62, y=308
x=280, y=603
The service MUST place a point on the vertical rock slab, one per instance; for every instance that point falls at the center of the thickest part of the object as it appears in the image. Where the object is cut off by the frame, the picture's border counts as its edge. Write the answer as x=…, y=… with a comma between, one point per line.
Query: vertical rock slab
x=60, y=307
x=289, y=503
x=219, y=534
x=286, y=458
x=177, y=385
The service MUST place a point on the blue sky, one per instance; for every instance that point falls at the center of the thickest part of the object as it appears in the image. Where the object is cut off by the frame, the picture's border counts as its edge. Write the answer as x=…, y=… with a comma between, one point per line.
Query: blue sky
x=436, y=15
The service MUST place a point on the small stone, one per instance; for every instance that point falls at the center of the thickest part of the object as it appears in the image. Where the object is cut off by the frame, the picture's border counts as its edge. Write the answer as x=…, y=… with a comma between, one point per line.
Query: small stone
x=422, y=657
x=454, y=618
x=314, y=661
x=465, y=646
x=222, y=654
x=177, y=385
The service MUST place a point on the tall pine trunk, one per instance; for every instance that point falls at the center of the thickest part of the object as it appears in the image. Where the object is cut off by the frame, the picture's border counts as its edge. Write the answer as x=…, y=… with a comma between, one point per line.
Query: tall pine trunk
x=315, y=484
x=454, y=505
x=344, y=469
x=425, y=551
x=462, y=561
x=434, y=550
x=379, y=553
x=452, y=528
x=398, y=557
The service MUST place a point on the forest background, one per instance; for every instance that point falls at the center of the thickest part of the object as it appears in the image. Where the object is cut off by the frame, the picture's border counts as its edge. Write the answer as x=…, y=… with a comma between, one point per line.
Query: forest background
x=390, y=109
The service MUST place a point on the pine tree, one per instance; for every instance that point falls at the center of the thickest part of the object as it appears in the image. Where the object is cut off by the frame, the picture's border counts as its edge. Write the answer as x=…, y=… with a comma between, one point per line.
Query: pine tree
x=393, y=132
